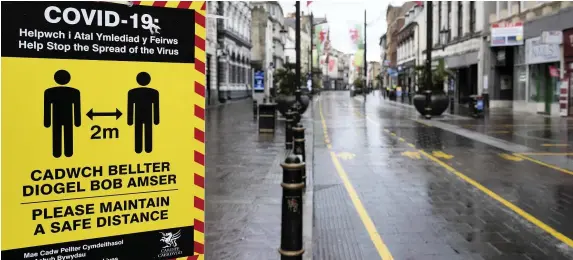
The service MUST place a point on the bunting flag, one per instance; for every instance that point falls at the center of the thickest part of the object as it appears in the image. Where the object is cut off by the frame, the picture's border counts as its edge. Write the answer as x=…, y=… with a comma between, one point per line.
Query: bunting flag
x=308, y=3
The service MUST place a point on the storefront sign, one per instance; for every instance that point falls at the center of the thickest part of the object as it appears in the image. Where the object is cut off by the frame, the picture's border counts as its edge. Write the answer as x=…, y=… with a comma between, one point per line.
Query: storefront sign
x=552, y=37
x=506, y=34
x=259, y=81
x=536, y=52
x=99, y=102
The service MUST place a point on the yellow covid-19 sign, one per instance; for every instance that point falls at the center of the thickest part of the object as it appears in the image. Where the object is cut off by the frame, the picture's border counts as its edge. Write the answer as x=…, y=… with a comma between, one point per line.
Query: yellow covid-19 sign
x=102, y=130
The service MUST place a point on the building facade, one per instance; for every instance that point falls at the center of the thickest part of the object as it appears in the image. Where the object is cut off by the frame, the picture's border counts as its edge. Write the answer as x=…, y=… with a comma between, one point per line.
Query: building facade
x=395, y=18
x=528, y=74
x=212, y=87
x=459, y=37
x=374, y=73
x=411, y=43
x=269, y=38
x=290, y=45
x=234, y=75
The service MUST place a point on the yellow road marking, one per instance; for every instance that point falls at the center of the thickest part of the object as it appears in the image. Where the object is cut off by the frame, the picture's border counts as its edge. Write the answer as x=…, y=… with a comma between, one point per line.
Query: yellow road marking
x=510, y=157
x=503, y=201
x=393, y=134
x=544, y=164
x=366, y=220
x=555, y=145
x=412, y=154
x=346, y=156
x=401, y=139
x=411, y=145
x=441, y=154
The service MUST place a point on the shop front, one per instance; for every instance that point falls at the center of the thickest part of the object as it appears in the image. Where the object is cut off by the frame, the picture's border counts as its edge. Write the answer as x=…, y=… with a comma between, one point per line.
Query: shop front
x=506, y=42
x=568, y=61
x=543, y=61
x=465, y=69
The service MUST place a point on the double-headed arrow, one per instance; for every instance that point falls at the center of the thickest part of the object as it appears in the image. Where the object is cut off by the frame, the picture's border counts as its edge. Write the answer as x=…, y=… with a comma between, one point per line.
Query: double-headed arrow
x=91, y=114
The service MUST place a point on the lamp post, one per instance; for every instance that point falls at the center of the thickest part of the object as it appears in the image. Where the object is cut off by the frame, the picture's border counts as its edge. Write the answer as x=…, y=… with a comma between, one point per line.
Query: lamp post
x=224, y=57
x=429, y=30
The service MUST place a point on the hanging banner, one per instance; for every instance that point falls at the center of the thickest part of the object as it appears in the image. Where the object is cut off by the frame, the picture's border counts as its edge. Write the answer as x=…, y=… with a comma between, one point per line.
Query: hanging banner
x=321, y=35
x=96, y=161
x=356, y=37
x=359, y=58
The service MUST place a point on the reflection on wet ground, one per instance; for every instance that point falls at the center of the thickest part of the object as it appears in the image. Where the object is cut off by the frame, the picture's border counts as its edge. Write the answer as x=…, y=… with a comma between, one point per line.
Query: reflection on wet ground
x=434, y=194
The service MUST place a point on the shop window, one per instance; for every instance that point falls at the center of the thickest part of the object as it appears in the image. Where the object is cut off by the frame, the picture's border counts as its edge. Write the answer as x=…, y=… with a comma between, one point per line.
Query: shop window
x=460, y=19
x=520, y=82
x=472, y=16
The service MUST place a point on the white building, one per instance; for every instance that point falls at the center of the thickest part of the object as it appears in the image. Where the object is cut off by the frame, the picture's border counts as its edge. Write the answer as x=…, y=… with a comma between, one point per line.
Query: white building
x=211, y=63
x=276, y=16
x=459, y=36
x=411, y=46
x=234, y=50
x=290, y=47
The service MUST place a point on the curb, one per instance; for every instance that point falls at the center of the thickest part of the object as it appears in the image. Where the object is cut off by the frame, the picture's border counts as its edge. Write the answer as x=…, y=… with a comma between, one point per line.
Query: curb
x=308, y=204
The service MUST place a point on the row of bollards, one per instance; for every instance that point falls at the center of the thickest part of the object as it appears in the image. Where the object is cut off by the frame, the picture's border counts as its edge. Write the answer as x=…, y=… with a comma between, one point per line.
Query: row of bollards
x=294, y=183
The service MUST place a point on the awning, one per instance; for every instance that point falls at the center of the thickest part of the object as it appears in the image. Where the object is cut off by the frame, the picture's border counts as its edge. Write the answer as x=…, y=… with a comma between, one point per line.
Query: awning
x=463, y=60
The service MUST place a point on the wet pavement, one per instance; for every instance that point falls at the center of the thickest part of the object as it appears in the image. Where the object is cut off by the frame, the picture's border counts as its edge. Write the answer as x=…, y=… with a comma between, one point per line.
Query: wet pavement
x=243, y=192
x=387, y=182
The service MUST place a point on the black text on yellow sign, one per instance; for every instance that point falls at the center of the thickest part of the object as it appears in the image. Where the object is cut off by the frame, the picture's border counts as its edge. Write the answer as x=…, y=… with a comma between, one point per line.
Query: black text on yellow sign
x=96, y=141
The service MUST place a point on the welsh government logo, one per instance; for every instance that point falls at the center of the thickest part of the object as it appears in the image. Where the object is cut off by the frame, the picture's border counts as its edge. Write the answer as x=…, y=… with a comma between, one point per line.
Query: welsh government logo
x=170, y=239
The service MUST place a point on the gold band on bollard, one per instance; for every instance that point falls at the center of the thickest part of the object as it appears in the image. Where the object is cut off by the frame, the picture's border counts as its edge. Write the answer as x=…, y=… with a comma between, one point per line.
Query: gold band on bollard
x=299, y=140
x=291, y=253
x=266, y=115
x=293, y=166
x=292, y=186
x=266, y=130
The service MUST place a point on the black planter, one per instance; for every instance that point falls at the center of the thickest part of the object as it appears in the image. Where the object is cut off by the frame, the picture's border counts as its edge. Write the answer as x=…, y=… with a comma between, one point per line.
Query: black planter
x=284, y=102
x=439, y=103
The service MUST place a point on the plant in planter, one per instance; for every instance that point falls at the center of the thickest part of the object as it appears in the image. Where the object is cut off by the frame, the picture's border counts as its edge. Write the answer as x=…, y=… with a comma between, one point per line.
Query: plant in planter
x=357, y=87
x=286, y=85
x=439, y=100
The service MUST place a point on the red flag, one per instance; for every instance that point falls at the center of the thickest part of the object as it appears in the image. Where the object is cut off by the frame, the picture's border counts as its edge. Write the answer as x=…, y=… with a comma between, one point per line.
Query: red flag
x=308, y=3
x=419, y=3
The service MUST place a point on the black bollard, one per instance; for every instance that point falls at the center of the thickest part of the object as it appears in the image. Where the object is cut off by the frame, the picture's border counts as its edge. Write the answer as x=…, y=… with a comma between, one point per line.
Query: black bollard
x=288, y=131
x=299, y=146
x=428, y=104
x=291, y=227
x=267, y=118
x=255, y=108
x=295, y=114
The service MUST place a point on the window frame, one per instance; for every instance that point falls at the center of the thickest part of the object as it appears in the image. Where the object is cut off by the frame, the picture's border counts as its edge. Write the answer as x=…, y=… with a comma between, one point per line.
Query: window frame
x=460, y=28
x=472, y=6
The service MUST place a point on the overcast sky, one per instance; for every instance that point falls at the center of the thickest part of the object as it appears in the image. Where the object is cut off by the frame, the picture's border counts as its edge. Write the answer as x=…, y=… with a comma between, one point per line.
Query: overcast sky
x=342, y=15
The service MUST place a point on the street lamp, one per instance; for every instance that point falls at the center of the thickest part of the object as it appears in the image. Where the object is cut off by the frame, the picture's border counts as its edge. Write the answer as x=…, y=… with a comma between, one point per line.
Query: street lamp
x=223, y=56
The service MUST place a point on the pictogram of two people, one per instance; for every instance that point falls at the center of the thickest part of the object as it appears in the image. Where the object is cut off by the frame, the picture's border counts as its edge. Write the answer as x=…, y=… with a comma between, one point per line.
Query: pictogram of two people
x=62, y=111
